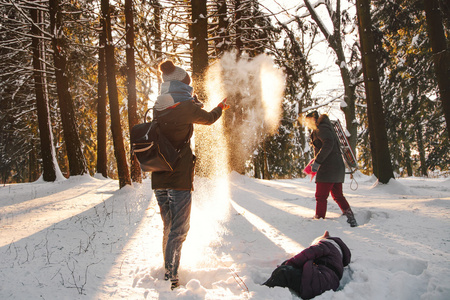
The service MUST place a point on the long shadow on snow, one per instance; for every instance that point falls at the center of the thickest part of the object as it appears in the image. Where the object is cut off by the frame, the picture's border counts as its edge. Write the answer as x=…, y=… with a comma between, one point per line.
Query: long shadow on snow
x=24, y=192
x=294, y=220
x=81, y=245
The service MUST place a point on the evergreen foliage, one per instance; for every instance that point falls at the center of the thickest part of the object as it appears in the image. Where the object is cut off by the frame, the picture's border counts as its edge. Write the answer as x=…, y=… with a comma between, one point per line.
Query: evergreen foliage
x=414, y=117
x=19, y=142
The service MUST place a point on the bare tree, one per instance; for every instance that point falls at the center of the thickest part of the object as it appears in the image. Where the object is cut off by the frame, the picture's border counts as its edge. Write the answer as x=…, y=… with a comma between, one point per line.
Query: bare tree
x=349, y=77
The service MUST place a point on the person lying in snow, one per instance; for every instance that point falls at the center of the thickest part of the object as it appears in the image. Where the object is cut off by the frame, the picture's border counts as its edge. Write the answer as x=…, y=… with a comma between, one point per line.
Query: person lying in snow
x=316, y=269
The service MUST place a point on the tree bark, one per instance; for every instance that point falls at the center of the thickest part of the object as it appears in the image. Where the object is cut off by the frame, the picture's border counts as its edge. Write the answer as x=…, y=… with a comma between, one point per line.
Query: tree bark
x=441, y=55
x=380, y=151
x=45, y=130
x=407, y=158
x=420, y=147
x=116, y=128
x=131, y=84
x=222, y=10
x=157, y=10
x=239, y=44
x=77, y=161
x=102, y=157
x=199, y=33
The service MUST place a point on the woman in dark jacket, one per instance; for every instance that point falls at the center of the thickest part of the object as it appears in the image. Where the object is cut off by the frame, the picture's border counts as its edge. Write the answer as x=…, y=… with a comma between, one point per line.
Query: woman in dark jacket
x=176, y=110
x=329, y=165
x=316, y=269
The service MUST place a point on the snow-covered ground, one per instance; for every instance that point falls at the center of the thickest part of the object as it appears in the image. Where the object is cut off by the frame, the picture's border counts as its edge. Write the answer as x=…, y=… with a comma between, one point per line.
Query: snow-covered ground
x=83, y=238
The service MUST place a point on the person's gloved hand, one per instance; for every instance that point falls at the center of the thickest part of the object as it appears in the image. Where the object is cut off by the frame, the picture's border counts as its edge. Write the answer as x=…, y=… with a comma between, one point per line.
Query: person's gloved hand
x=223, y=105
x=315, y=167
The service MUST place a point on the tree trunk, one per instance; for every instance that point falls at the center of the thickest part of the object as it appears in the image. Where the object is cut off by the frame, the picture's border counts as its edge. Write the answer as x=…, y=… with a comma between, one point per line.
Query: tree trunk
x=237, y=155
x=256, y=165
x=441, y=55
x=102, y=157
x=116, y=128
x=158, y=41
x=378, y=136
x=239, y=44
x=265, y=161
x=407, y=157
x=33, y=167
x=199, y=33
x=77, y=161
x=420, y=147
x=131, y=84
x=222, y=10
x=45, y=130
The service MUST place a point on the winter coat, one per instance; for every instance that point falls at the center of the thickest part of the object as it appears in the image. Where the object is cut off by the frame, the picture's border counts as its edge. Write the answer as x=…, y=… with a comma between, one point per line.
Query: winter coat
x=327, y=152
x=322, y=266
x=176, y=123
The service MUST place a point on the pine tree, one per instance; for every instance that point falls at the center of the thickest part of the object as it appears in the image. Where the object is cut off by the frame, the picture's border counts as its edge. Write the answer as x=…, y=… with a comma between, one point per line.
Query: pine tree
x=45, y=129
x=381, y=160
x=18, y=116
x=408, y=85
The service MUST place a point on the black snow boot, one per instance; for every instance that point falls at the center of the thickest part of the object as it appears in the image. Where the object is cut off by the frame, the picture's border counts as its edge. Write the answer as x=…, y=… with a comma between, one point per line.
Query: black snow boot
x=167, y=275
x=174, y=283
x=350, y=217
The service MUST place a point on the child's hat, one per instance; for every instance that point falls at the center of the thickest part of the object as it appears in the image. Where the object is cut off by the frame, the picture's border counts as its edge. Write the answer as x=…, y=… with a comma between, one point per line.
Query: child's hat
x=171, y=72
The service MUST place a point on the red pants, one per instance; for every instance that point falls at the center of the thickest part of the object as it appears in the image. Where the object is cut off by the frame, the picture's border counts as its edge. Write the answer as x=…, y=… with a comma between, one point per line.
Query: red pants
x=323, y=189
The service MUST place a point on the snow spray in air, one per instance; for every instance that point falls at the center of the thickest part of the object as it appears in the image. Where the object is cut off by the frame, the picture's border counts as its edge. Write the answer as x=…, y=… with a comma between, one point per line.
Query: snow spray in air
x=254, y=89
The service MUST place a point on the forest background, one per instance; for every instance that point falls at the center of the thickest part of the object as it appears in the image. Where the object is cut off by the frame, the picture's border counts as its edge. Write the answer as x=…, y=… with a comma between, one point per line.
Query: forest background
x=76, y=75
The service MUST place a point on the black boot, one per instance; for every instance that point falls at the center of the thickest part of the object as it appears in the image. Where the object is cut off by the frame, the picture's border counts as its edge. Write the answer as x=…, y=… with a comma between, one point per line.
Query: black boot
x=174, y=284
x=350, y=217
x=167, y=275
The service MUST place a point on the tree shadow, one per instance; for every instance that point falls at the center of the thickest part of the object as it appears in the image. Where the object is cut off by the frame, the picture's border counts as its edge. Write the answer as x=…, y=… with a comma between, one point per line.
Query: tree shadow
x=74, y=256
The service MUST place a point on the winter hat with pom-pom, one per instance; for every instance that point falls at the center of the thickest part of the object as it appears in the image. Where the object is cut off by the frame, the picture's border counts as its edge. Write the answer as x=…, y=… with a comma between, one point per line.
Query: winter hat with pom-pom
x=171, y=72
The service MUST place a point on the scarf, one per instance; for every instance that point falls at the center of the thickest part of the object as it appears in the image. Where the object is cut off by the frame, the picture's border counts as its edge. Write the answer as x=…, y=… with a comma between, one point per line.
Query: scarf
x=173, y=92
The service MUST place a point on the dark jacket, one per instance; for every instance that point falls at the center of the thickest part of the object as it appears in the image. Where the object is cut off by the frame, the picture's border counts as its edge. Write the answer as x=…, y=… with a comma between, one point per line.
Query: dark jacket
x=177, y=125
x=327, y=152
x=322, y=266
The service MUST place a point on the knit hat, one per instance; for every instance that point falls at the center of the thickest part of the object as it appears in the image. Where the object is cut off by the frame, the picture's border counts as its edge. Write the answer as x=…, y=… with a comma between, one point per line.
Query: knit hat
x=171, y=72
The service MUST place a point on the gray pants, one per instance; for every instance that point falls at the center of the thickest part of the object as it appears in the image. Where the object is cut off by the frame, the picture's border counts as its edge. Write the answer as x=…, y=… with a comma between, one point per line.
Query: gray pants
x=175, y=207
